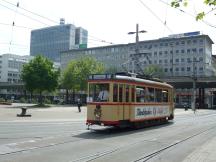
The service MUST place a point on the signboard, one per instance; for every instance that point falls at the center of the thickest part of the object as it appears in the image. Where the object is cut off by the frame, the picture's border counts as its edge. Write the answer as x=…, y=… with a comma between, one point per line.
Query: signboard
x=151, y=111
x=81, y=46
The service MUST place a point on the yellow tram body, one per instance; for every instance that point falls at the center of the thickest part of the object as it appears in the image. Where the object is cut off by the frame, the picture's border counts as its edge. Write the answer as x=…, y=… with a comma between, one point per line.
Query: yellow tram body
x=131, y=101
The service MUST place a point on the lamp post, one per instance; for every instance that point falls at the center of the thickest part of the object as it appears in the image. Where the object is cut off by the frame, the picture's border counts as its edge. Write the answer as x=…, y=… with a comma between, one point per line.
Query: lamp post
x=194, y=78
x=137, y=44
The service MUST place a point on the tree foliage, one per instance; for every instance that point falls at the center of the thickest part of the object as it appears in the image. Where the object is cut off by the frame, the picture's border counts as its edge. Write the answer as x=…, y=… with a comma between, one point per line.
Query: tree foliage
x=154, y=71
x=111, y=70
x=201, y=14
x=39, y=75
x=75, y=75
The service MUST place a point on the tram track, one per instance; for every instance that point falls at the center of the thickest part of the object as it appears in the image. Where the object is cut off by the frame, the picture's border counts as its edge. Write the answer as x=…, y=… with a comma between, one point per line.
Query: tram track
x=74, y=133
x=157, y=152
x=98, y=155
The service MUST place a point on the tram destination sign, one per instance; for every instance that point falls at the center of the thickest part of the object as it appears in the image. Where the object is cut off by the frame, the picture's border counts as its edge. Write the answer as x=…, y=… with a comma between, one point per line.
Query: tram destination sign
x=151, y=111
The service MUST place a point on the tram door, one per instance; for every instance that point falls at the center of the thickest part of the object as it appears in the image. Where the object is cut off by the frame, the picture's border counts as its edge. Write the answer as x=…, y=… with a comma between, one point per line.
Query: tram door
x=121, y=101
x=124, y=98
x=121, y=94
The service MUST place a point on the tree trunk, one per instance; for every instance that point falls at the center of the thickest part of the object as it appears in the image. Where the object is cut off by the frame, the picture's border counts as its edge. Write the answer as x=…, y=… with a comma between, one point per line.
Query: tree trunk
x=67, y=96
x=73, y=97
x=40, y=98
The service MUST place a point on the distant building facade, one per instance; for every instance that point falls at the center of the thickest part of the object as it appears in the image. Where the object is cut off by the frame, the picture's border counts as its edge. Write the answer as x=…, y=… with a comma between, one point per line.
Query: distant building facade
x=11, y=67
x=50, y=41
x=177, y=55
x=10, y=74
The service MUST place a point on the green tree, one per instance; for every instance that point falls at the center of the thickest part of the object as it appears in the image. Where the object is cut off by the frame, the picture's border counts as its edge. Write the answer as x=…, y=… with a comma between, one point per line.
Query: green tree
x=39, y=75
x=201, y=14
x=111, y=70
x=75, y=75
x=154, y=71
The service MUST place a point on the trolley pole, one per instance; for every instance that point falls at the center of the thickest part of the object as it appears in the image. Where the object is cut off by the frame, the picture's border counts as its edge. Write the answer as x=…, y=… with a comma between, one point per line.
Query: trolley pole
x=194, y=78
x=137, y=45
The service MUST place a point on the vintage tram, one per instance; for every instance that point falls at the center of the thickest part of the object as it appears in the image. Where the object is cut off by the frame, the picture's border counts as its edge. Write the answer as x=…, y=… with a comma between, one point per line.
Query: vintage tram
x=128, y=101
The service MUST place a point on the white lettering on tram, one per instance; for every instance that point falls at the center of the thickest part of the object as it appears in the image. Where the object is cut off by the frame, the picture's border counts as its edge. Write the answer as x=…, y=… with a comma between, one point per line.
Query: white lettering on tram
x=151, y=111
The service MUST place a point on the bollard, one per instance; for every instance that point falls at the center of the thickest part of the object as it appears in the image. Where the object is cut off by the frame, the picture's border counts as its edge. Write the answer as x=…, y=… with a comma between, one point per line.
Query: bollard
x=23, y=113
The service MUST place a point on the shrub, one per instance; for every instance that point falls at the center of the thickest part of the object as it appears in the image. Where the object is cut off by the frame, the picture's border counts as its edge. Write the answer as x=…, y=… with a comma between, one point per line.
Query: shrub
x=23, y=100
x=47, y=101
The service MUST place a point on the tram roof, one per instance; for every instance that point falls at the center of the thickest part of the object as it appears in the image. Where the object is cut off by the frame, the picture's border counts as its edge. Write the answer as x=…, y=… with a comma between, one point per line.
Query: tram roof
x=127, y=78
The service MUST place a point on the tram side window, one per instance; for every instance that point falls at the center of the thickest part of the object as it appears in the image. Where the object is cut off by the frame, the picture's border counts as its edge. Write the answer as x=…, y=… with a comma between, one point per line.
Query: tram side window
x=115, y=93
x=132, y=93
x=165, y=95
x=150, y=94
x=158, y=95
x=120, y=93
x=99, y=92
x=127, y=93
x=140, y=94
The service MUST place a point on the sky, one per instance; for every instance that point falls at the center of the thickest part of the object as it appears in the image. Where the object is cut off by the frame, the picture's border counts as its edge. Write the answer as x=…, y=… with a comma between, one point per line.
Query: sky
x=107, y=21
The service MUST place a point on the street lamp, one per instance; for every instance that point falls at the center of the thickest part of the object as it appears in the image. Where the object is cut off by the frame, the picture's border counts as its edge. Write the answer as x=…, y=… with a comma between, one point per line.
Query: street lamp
x=137, y=42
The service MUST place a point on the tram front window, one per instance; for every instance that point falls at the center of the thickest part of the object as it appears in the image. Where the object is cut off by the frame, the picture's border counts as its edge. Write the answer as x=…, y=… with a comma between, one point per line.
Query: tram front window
x=99, y=92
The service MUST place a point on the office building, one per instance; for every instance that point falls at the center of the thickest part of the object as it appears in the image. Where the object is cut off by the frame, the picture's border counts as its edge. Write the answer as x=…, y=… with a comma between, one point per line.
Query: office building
x=50, y=41
x=177, y=55
x=11, y=67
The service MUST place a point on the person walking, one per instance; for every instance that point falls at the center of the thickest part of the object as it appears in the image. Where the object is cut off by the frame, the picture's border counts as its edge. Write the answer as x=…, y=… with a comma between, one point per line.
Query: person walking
x=79, y=104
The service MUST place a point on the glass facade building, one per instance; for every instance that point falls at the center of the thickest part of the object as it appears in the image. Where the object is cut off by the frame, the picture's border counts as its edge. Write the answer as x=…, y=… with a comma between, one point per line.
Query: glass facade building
x=50, y=41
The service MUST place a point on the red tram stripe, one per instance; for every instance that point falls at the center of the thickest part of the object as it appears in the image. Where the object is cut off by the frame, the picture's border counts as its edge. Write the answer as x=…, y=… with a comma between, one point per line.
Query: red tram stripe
x=104, y=122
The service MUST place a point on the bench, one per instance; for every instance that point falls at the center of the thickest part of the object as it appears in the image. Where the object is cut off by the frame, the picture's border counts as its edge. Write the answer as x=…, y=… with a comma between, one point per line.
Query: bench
x=23, y=113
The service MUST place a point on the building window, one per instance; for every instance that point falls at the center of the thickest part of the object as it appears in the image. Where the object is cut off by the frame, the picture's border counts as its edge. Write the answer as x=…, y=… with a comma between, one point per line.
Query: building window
x=182, y=69
x=182, y=51
x=177, y=51
x=165, y=52
x=171, y=52
x=165, y=61
x=177, y=43
x=201, y=69
x=150, y=46
x=188, y=68
x=201, y=50
x=176, y=60
x=165, y=69
x=155, y=53
x=201, y=41
x=194, y=50
x=188, y=50
x=188, y=60
x=201, y=59
x=189, y=42
x=182, y=42
x=160, y=53
x=160, y=61
x=182, y=60
x=194, y=41
x=177, y=69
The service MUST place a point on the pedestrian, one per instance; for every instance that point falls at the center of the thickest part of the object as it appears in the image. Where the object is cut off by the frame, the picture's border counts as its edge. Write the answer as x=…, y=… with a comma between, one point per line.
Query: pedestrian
x=79, y=104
